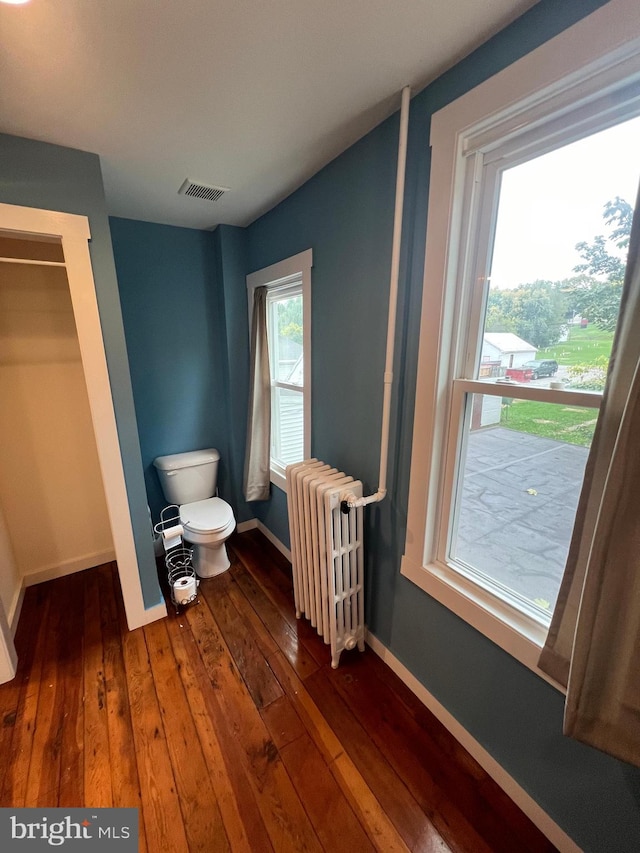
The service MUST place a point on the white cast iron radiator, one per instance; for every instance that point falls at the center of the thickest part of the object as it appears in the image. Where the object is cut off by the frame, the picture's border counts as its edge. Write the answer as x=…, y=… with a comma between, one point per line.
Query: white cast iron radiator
x=326, y=554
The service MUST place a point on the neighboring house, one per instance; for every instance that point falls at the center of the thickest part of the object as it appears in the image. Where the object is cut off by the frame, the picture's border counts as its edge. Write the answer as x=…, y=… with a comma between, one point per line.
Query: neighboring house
x=500, y=352
x=506, y=349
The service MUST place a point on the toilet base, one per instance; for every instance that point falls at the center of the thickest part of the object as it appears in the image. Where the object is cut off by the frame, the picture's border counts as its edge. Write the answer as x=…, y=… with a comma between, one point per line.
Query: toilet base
x=209, y=562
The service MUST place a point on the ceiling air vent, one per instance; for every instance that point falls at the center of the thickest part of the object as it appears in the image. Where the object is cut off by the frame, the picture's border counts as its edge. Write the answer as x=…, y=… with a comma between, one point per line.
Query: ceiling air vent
x=203, y=191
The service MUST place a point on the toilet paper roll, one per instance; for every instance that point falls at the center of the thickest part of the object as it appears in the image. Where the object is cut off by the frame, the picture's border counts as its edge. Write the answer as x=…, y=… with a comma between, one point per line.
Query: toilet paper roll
x=172, y=536
x=184, y=589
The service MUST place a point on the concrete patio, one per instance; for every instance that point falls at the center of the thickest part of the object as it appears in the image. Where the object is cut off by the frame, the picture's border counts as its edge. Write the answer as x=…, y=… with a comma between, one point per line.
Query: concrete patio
x=519, y=538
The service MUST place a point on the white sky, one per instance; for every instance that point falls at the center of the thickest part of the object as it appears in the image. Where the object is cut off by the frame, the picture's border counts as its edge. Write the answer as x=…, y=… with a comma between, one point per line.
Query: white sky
x=553, y=202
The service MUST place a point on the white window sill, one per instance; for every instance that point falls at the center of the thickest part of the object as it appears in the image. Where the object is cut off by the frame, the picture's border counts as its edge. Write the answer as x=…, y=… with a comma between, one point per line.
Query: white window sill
x=278, y=480
x=517, y=633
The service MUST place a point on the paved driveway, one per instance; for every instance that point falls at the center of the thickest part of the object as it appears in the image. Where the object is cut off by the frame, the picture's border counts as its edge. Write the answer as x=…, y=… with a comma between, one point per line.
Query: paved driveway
x=516, y=536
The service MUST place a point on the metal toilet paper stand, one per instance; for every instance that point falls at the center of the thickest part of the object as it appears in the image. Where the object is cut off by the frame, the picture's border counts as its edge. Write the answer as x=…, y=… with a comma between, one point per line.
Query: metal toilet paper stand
x=178, y=560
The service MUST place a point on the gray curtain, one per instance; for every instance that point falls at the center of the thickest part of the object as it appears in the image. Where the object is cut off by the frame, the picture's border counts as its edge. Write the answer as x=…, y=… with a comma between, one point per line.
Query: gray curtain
x=593, y=646
x=257, y=455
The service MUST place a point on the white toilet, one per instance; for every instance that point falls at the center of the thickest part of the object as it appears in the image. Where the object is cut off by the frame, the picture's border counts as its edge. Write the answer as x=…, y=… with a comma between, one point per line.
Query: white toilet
x=189, y=480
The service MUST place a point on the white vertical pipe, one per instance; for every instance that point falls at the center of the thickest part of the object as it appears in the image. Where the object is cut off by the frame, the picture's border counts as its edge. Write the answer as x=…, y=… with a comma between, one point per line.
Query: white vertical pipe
x=393, y=302
x=393, y=288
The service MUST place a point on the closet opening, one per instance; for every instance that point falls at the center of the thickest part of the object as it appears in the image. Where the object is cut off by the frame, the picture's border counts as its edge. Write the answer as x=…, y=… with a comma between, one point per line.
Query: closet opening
x=63, y=497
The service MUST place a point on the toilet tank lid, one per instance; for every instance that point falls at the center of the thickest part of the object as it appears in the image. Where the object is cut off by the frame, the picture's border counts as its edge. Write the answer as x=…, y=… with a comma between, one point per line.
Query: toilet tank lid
x=186, y=460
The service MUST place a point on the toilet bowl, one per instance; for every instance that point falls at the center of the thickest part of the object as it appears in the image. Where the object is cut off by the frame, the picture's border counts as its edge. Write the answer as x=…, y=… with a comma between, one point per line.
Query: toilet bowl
x=207, y=525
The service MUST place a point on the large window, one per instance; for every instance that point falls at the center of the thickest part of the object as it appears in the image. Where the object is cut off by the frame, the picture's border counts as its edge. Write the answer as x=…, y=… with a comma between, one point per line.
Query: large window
x=288, y=286
x=530, y=255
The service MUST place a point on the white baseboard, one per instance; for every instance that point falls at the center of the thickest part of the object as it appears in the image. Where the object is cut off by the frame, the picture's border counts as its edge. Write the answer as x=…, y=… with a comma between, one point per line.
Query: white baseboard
x=243, y=526
x=68, y=567
x=88, y=561
x=520, y=797
x=254, y=524
x=8, y=656
x=16, y=608
x=274, y=540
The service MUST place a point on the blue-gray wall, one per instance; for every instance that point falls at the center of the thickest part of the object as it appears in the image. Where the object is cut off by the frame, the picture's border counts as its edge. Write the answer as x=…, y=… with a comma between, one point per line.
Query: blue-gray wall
x=36, y=174
x=172, y=313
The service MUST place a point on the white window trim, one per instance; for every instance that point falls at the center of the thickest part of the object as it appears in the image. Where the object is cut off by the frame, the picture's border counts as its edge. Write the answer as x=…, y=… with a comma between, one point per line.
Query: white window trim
x=570, y=70
x=272, y=277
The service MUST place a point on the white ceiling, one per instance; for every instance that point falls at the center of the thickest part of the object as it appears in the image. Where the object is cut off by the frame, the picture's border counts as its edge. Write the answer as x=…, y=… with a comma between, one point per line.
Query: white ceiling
x=254, y=95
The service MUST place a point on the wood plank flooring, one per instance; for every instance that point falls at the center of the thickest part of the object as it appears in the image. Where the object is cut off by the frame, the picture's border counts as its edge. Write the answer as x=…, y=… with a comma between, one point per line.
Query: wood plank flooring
x=229, y=731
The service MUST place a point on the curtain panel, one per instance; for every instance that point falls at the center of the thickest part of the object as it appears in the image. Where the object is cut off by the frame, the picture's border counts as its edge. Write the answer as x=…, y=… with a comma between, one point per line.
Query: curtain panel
x=593, y=645
x=257, y=461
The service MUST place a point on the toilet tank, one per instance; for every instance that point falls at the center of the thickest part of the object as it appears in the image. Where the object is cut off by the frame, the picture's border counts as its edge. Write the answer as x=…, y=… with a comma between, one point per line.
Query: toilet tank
x=188, y=477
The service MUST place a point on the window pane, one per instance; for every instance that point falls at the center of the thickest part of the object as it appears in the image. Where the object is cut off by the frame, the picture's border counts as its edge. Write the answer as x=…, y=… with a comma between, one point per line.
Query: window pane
x=557, y=261
x=520, y=478
x=285, y=339
x=287, y=430
x=287, y=365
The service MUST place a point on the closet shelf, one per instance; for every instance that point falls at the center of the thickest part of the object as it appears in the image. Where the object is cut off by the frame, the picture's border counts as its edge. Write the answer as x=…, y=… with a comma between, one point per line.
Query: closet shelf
x=32, y=262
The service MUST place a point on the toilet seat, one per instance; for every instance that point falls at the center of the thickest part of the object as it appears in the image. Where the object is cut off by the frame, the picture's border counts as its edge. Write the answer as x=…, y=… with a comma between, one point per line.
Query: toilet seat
x=208, y=516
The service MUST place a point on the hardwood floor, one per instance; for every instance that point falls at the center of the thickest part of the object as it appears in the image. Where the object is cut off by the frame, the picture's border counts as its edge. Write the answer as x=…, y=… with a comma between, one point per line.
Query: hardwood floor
x=227, y=728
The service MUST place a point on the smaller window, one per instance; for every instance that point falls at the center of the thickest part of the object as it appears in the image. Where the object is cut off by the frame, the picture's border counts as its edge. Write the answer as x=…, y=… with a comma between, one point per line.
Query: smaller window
x=288, y=331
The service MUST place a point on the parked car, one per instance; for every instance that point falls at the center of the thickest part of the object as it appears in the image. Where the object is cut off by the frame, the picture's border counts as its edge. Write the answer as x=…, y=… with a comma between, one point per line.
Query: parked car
x=544, y=367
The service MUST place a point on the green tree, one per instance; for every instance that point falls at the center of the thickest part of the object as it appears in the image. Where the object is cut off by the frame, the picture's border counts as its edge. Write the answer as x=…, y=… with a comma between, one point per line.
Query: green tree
x=500, y=312
x=599, y=302
x=290, y=318
x=535, y=312
x=598, y=260
x=597, y=297
x=540, y=312
x=291, y=330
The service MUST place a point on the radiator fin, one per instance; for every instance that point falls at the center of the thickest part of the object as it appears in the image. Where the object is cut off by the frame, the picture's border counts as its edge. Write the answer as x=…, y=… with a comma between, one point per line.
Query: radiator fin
x=327, y=554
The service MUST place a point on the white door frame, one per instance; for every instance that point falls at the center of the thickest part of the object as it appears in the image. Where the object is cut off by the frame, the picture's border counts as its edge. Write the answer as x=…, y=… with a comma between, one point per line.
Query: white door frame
x=73, y=230
x=8, y=656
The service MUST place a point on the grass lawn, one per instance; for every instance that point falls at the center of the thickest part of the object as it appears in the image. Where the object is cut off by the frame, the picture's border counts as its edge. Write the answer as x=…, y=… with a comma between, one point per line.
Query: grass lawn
x=551, y=420
x=583, y=346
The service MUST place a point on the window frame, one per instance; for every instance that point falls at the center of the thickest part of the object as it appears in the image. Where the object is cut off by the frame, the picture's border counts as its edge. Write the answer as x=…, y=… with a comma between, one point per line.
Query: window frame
x=285, y=275
x=547, y=95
